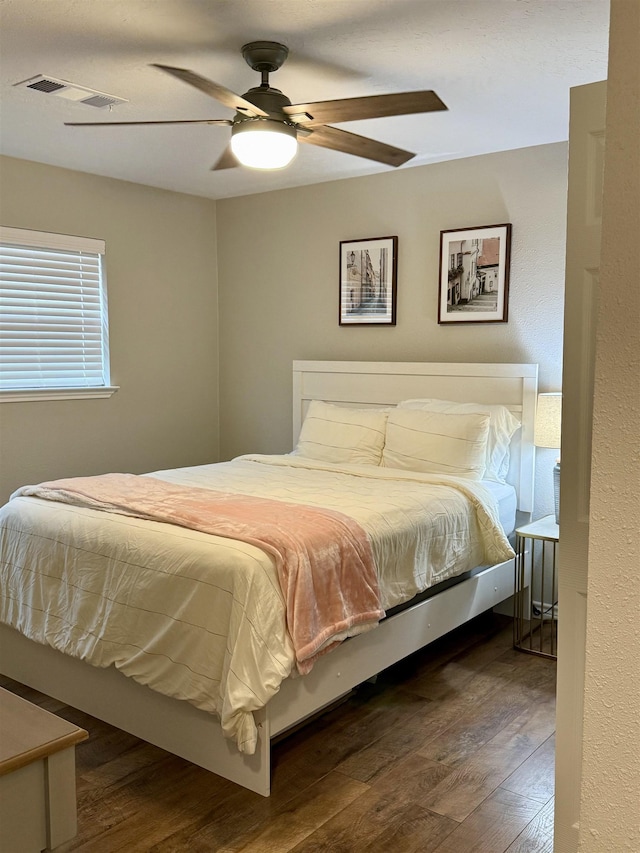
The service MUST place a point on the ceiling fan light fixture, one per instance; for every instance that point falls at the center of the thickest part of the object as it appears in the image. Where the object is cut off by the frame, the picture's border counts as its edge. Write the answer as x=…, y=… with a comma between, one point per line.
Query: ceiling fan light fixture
x=264, y=143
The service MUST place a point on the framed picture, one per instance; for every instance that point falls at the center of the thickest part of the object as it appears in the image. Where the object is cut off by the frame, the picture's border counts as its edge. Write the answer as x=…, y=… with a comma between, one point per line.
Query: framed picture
x=474, y=274
x=368, y=273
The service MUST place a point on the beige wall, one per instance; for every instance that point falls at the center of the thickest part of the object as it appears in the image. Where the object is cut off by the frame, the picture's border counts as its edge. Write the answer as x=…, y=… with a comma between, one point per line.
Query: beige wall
x=278, y=281
x=610, y=803
x=162, y=290
x=277, y=264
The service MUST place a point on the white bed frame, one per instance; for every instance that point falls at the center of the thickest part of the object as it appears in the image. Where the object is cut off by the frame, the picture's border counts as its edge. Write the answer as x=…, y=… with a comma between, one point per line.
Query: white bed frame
x=195, y=735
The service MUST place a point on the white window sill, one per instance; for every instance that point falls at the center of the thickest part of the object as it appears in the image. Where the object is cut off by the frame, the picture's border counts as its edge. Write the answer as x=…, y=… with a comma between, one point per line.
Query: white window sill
x=34, y=394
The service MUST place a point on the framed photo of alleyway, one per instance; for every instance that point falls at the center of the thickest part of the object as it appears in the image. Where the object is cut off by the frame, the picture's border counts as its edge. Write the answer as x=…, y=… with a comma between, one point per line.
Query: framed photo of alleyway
x=368, y=282
x=474, y=274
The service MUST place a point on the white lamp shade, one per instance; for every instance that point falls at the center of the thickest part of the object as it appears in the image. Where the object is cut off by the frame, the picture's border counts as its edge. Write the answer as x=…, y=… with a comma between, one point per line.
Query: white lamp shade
x=264, y=144
x=548, y=423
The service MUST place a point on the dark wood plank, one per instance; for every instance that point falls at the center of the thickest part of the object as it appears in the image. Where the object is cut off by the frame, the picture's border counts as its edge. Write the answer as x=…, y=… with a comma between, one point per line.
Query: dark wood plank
x=451, y=676
x=537, y=836
x=535, y=776
x=149, y=806
x=416, y=830
x=383, y=753
x=493, y=826
x=378, y=822
x=468, y=784
x=300, y=818
x=477, y=726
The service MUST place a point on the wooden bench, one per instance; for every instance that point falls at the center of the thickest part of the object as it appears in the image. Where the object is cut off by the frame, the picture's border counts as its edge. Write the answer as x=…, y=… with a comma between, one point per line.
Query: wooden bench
x=37, y=776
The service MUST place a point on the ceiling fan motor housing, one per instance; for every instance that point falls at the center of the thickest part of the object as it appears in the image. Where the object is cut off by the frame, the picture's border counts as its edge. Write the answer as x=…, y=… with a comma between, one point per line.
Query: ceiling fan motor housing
x=268, y=99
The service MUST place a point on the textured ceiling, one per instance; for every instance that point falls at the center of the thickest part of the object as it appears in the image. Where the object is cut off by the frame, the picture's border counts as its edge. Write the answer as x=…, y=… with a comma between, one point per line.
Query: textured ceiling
x=503, y=67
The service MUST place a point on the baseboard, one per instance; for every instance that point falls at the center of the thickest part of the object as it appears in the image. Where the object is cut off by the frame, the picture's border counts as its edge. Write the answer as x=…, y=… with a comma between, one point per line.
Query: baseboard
x=544, y=610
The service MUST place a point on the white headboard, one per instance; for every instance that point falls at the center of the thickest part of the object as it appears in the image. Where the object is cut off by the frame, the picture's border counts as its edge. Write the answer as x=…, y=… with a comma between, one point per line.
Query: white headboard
x=379, y=383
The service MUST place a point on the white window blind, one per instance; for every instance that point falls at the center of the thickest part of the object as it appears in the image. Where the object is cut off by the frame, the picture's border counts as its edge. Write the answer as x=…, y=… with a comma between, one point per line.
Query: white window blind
x=53, y=312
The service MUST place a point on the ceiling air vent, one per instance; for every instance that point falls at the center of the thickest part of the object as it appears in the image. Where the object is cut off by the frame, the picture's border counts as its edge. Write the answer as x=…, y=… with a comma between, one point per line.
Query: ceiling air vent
x=45, y=85
x=70, y=91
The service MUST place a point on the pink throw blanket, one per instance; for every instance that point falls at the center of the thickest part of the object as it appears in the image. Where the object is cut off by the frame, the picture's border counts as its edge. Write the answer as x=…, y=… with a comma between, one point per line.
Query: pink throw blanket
x=324, y=560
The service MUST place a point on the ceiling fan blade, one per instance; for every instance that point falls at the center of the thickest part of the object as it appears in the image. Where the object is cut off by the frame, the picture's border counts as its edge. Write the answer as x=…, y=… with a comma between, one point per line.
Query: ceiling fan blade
x=223, y=121
x=361, y=146
x=226, y=160
x=370, y=106
x=214, y=90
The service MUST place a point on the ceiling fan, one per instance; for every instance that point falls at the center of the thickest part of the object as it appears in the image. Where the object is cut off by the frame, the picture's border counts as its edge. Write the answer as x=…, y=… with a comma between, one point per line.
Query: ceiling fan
x=267, y=126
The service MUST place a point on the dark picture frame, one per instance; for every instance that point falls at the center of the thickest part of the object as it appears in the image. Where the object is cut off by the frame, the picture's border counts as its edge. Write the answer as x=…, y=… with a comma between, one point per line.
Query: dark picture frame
x=368, y=282
x=474, y=274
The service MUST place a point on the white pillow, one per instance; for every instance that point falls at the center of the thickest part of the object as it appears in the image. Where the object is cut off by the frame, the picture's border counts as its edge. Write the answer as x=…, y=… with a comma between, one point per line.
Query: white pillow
x=437, y=442
x=502, y=426
x=333, y=433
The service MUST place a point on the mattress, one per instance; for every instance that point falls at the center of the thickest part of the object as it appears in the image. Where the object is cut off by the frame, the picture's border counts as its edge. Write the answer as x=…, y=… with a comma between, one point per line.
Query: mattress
x=201, y=618
x=506, y=498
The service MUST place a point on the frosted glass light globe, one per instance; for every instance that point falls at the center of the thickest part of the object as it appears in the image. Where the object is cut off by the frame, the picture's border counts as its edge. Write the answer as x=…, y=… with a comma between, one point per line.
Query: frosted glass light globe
x=264, y=144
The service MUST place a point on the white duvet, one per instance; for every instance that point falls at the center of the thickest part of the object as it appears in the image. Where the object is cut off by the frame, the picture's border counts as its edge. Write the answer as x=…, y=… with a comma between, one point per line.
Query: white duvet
x=200, y=617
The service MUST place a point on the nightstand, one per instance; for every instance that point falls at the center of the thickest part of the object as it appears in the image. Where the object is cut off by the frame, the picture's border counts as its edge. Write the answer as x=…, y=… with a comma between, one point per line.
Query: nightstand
x=535, y=622
x=37, y=776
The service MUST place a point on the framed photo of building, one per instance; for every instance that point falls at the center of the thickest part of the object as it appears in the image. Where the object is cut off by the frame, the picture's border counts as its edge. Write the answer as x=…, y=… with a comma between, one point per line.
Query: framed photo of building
x=368, y=274
x=474, y=274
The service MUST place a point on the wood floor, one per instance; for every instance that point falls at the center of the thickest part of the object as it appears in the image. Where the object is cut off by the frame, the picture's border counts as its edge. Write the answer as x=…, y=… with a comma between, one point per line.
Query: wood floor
x=451, y=751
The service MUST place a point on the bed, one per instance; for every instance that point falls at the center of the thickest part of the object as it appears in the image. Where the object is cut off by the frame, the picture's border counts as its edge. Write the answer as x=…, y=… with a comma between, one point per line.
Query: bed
x=189, y=728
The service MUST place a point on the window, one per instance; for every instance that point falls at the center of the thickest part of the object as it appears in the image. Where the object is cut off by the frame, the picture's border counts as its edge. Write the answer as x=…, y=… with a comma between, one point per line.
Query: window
x=54, y=340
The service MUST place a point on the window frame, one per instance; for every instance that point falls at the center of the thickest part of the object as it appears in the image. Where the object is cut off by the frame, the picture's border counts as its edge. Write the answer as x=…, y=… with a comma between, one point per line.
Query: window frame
x=50, y=241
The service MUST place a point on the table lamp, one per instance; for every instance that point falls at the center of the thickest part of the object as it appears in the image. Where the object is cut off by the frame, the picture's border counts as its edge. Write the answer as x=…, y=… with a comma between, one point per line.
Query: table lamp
x=547, y=431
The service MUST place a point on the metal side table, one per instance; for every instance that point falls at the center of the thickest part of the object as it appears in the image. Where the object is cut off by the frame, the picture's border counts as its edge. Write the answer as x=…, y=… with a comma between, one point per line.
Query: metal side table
x=535, y=623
